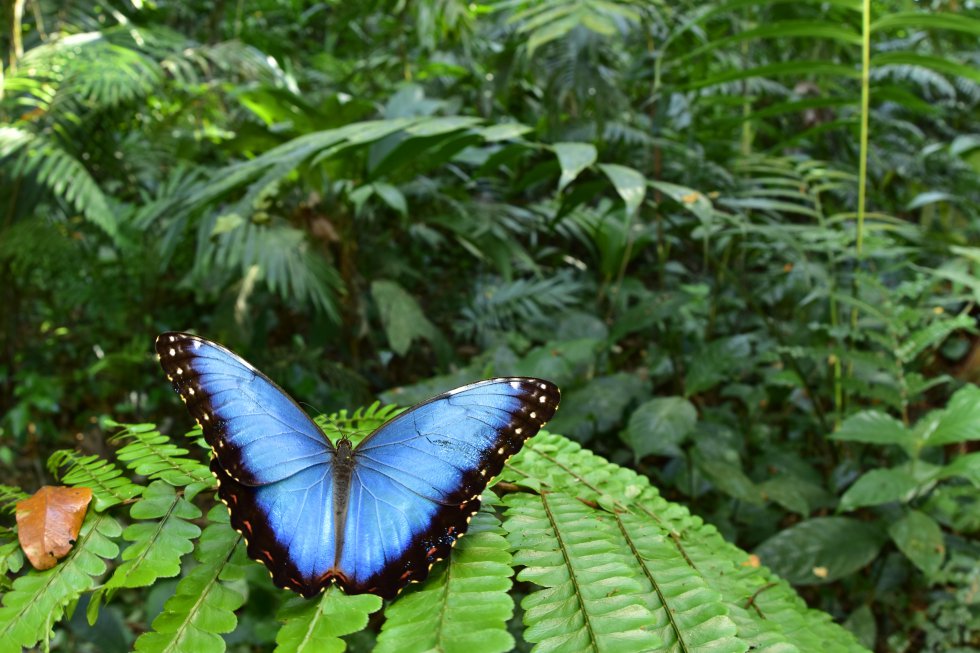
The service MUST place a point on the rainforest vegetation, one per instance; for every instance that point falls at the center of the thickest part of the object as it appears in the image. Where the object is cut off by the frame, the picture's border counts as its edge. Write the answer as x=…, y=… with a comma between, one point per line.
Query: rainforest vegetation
x=743, y=237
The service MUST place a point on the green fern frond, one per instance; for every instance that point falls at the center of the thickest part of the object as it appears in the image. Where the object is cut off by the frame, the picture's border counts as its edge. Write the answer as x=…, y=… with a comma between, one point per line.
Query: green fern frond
x=593, y=599
x=152, y=454
x=160, y=536
x=317, y=626
x=205, y=601
x=499, y=305
x=465, y=605
x=39, y=599
x=279, y=255
x=9, y=496
x=363, y=421
x=106, y=481
x=766, y=610
x=61, y=173
x=11, y=557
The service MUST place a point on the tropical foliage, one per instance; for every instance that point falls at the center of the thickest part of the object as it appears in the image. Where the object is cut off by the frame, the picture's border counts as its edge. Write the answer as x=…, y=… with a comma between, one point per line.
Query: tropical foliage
x=740, y=235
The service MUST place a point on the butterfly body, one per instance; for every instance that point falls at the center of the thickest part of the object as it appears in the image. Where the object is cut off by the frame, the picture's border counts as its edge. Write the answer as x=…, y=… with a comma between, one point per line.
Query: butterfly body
x=370, y=517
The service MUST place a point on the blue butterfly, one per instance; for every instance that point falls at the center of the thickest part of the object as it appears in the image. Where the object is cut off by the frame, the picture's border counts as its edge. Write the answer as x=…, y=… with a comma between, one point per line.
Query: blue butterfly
x=371, y=518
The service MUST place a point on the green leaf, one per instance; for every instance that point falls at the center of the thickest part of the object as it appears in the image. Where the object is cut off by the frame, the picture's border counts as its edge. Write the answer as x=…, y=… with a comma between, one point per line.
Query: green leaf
x=598, y=406
x=659, y=426
x=879, y=486
x=966, y=466
x=688, y=198
x=391, y=196
x=503, y=131
x=873, y=427
x=402, y=317
x=724, y=470
x=573, y=159
x=317, y=625
x=959, y=422
x=629, y=183
x=464, y=606
x=785, y=490
x=715, y=362
x=821, y=550
x=919, y=537
x=204, y=604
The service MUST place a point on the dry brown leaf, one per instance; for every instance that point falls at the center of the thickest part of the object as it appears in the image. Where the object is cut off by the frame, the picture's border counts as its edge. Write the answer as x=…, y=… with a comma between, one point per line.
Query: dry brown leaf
x=49, y=521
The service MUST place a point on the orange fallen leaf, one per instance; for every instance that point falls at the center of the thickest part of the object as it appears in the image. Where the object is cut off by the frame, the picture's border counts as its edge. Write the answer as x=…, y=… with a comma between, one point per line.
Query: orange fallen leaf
x=49, y=521
x=820, y=572
x=752, y=561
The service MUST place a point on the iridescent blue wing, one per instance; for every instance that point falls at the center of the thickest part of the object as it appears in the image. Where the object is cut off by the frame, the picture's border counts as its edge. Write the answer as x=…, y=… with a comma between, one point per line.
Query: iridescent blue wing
x=273, y=464
x=416, y=481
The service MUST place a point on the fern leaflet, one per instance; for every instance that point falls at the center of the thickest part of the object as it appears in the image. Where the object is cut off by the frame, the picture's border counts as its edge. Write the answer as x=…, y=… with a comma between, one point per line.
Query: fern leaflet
x=592, y=599
x=465, y=606
x=317, y=626
x=109, y=487
x=159, y=540
x=152, y=454
x=204, y=604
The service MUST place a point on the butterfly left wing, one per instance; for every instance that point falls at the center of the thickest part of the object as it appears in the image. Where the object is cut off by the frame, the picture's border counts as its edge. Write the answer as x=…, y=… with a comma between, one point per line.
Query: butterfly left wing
x=273, y=464
x=416, y=480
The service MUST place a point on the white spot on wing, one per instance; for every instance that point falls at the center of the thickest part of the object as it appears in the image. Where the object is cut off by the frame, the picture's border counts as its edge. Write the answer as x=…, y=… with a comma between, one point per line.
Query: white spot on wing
x=516, y=385
x=197, y=344
x=173, y=352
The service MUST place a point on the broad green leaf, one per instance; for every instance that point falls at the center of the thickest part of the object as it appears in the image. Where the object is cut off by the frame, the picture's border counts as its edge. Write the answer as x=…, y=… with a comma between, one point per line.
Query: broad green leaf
x=503, y=132
x=573, y=159
x=317, y=625
x=966, y=466
x=715, y=362
x=659, y=426
x=919, y=537
x=629, y=183
x=402, y=317
x=692, y=200
x=597, y=406
x=785, y=490
x=392, y=197
x=879, y=486
x=873, y=427
x=821, y=550
x=959, y=422
x=725, y=473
